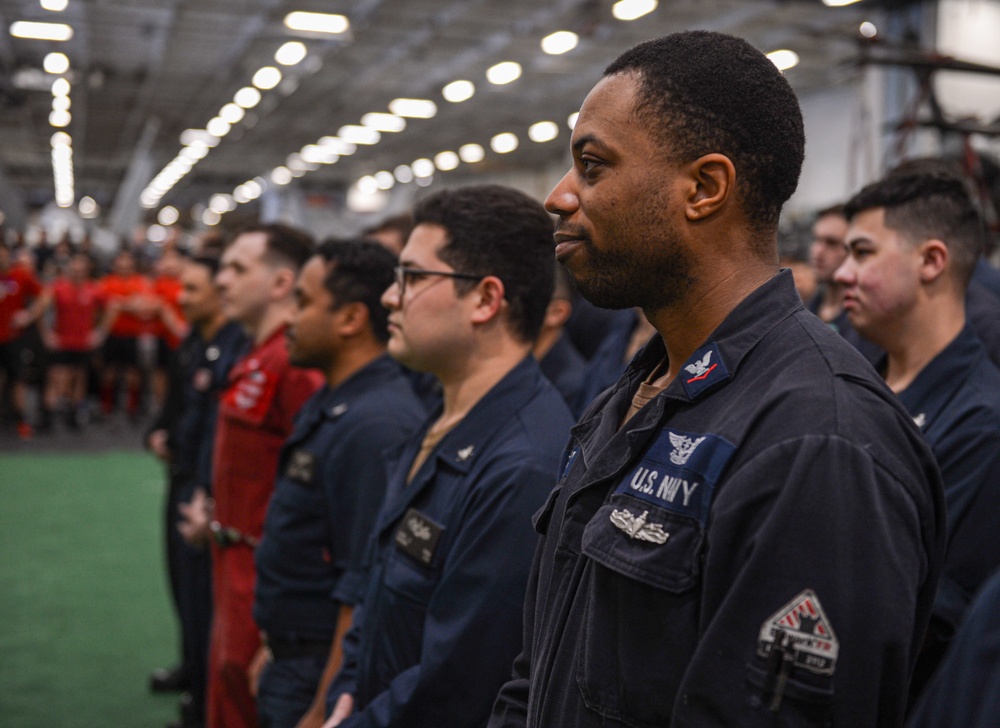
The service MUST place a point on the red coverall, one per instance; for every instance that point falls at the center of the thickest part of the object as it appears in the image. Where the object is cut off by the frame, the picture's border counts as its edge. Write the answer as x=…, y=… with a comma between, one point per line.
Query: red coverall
x=255, y=416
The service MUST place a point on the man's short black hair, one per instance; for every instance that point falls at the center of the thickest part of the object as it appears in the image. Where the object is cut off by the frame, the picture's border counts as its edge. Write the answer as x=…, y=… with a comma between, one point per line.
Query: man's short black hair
x=286, y=245
x=498, y=231
x=928, y=206
x=706, y=92
x=359, y=271
x=837, y=210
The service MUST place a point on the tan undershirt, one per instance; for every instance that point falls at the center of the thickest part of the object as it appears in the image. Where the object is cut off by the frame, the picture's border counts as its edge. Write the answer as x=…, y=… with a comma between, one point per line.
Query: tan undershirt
x=431, y=441
x=655, y=383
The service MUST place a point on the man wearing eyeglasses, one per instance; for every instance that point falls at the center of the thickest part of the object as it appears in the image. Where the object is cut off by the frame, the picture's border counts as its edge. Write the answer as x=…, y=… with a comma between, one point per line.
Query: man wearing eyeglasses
x=440, y=622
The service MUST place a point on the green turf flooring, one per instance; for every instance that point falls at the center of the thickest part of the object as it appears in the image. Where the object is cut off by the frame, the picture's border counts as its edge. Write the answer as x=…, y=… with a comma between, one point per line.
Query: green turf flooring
x=84, y=614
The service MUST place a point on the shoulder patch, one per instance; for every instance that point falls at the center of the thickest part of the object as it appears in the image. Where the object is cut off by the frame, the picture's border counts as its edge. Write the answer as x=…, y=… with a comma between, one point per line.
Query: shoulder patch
x=802, y=627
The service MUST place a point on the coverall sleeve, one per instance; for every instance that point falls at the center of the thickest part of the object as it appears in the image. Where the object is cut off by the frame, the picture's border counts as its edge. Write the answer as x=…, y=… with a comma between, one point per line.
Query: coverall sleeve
x=473, y=623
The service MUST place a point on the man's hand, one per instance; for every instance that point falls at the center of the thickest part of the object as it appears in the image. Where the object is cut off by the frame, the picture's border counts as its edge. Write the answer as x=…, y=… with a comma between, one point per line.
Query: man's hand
x=196, y=515
x=313, y=717
x=257, y=665
x=341, y=711
x=157, y=442
x=21, y=318
x=96, y=337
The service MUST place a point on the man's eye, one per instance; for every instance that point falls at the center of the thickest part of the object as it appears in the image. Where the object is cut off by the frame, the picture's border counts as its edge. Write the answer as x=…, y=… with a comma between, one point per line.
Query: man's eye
x=588, y=165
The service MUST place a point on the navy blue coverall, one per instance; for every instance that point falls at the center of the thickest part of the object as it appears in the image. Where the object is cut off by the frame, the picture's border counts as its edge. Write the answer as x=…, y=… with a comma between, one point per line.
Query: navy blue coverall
x=434, y=637
x=330, y=485
x=759, y=545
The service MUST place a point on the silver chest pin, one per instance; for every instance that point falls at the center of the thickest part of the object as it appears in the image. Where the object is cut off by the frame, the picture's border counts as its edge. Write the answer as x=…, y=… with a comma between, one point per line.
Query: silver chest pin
x=638, y=528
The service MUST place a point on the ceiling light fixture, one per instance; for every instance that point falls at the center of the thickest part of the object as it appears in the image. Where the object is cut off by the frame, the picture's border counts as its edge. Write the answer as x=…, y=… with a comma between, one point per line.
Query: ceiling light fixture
x=503, y=73
x=868, y=29
x=471, y=153
x=446, y=161
x=571, y=119
x=56, y=63
x=384, y=122
x=562, y=41
x=281, y=175
x=247, y=97
x=317, y=22
x=60, y=119
x=266, y=78
x=168, y=216
x=231, y=113
x=60, y=87
x=504, y=143
x=458, y=91
x=55, y=6
x=413, y=108
x=784, y=59
x=839, y=3
x=356, y=134
x=422, y=167
x=632, y=9
x=41, y=31
x=403, y=174
x=290, y=53
x=218, y=127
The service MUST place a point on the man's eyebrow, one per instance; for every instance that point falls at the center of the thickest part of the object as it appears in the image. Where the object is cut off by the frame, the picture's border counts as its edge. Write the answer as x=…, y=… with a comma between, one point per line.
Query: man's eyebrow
x=583, y=141
x=855, y=242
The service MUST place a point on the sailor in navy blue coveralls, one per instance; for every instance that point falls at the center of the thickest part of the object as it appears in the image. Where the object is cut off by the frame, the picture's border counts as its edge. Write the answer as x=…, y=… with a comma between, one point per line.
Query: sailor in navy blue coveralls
x=759, y=543
x=440, y=622
x=955, y=400
x=330, y=485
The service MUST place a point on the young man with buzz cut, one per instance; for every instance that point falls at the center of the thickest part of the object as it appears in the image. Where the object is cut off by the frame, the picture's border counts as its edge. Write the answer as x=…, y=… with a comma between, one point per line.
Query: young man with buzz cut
x=748, y=529
x=311, y=564
x=914, y=241
x=440, y=620
x=256, y=283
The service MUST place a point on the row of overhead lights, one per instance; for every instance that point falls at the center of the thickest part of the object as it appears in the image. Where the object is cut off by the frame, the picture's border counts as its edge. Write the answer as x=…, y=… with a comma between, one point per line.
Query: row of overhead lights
x=329, y=149
x=56, y=64
x=196, y=143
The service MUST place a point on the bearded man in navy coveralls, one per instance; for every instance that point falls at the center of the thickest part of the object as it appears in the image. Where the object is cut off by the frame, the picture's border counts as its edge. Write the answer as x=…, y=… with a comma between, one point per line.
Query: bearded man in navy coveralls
x=748, y=529
x=434, y=635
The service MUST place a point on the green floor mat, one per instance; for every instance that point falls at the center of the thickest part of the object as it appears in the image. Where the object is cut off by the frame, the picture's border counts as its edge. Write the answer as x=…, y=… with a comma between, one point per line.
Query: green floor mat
x=84, y=612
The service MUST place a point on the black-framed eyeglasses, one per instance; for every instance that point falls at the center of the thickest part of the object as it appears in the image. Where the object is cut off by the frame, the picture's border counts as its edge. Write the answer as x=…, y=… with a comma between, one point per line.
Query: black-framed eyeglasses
x=403, y=274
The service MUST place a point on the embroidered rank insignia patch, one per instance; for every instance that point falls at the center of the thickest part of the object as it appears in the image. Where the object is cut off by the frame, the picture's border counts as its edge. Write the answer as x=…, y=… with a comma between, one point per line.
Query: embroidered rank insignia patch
x=679, y=472
x=803, y=627
x=638, y=528
x=301, y=466
x=703, y=370
x=418, y=536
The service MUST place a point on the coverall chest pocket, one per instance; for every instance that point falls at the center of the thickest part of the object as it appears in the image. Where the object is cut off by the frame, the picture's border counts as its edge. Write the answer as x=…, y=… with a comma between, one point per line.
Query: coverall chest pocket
x=639, y=626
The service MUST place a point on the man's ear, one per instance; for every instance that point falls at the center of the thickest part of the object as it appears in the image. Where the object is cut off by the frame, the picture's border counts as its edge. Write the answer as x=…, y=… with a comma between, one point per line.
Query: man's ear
x=934, y=260
x=352, y=319
x=557, y=313
x=711, y=181
x=489, y=301
x=282, y=283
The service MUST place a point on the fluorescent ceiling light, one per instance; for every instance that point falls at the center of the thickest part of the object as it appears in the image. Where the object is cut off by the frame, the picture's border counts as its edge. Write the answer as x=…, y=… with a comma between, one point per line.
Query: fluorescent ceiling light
x=290, y=53
x=458, y=91
x=384, y=180
x=281, y=175
x=56, y=63
x=231, y=113
x=55, y=6
x=211, y=217
x=317, y=22
x=413, y=108
x=266, y=78
x=504, y=143
x=422, y=167
x=838, y=3
x=571, y=119
x=784, y=59
x=471, y=153
x=196, y=136
x=560, y=42
x=503, y=73
x=403, y=174
x=41, y=31
x=247, y=97
x=60, y=87
x=61, y=139
x=60, y=118
x=446, y=161
x=88, y=206
x=356, y=134
x=868, y=29
x=384, y=122
x=317, y=154
x=543, y=131
x=218, y=127
x=338, y=146
x=168, y=215
x=367, y=185
x=632, y=9
x=61, y=103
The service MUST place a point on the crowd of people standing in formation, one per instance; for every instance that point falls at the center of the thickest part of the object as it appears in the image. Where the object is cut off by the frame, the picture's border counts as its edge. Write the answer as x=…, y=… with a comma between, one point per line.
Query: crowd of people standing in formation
x=770, y=511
